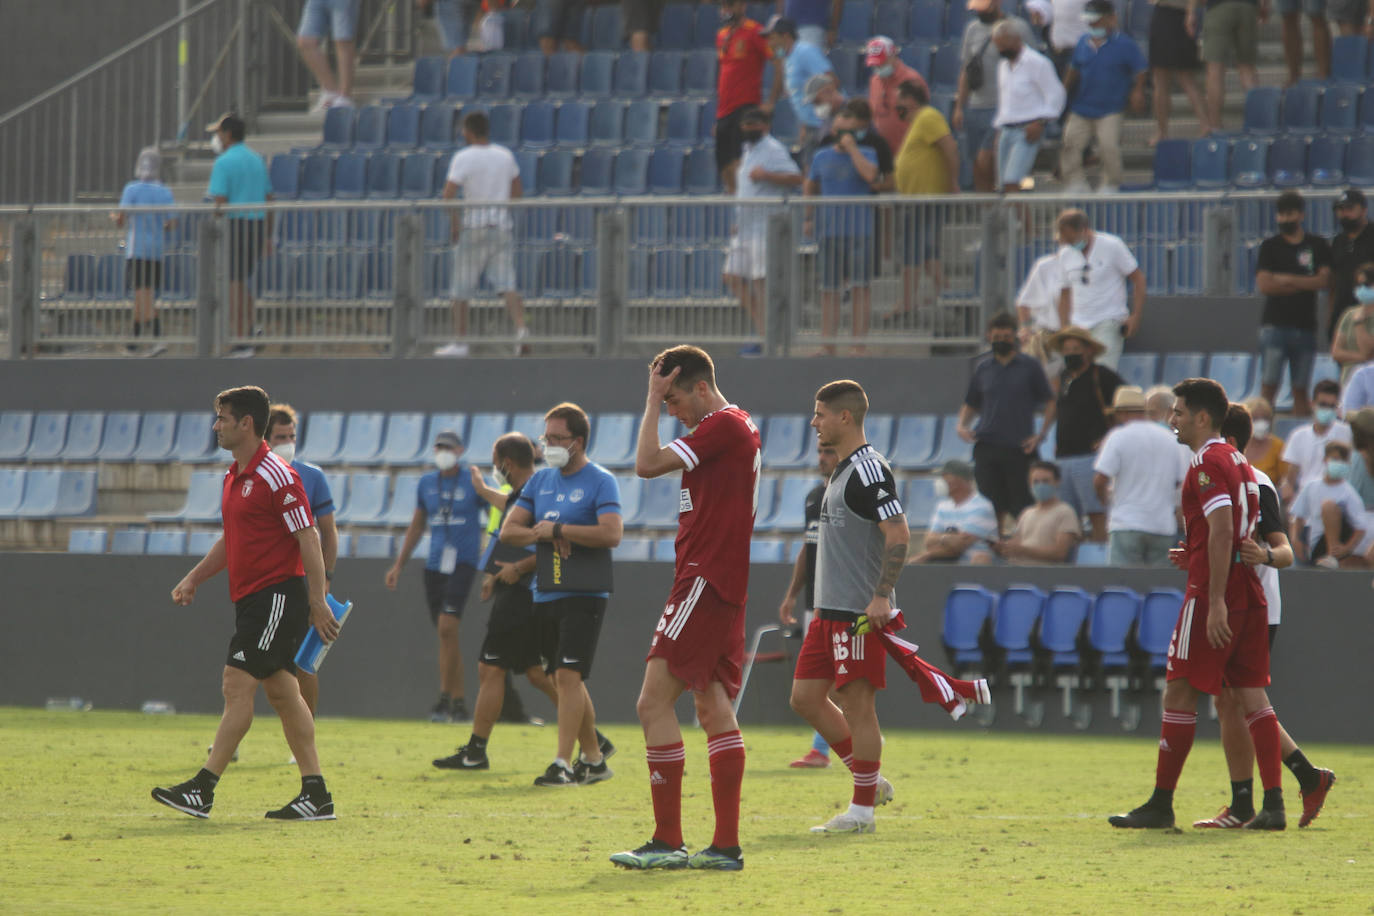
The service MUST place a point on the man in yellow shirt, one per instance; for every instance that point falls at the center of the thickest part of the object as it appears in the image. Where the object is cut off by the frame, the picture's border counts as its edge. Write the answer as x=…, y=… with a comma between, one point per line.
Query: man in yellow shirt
x=928, y=163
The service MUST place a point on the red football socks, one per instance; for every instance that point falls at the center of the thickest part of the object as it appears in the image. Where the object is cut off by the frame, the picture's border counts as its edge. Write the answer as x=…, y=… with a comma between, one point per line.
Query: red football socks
x=665, y=785
x=726, y=752
x=1175, y=741
x=1264, y=732
x=845, y=751
x=865, y=782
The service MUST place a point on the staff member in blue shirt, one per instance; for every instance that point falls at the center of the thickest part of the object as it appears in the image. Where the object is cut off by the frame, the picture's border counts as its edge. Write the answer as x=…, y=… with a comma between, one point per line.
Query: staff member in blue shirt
x=571, y=502
x=1106, y=71
x=801, y=60
x=448, y=504
x=239, y=176
x=143, y=247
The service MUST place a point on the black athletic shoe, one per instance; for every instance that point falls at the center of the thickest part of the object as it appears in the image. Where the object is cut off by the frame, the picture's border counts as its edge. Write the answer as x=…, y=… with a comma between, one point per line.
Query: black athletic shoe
x=188, y=798
x=716, y=859
x=440, y=712
x=1145, y=817
x=1268, y=819
x=464, y=759
x=304, y=807
x=585, y=773
x=556, y=775
x=458, y=711
x=604, y=745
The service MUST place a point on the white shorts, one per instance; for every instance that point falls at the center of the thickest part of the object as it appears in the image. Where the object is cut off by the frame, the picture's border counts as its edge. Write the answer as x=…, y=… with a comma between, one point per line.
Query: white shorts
x=483, y=250
x=747, y=258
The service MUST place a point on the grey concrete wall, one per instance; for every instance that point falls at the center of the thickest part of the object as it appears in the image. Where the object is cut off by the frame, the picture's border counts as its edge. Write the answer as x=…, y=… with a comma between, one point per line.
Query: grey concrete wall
x=104, y=628
x=1184, y=323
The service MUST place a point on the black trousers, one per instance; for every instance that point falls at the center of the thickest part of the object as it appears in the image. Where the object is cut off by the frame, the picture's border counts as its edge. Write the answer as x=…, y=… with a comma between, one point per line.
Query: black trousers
x=1001, y=474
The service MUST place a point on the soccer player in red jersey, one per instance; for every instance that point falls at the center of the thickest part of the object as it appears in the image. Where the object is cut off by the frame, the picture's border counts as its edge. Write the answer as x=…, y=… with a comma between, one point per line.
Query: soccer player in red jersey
x=699, y=642
x=277, y=582
x=1222, y=635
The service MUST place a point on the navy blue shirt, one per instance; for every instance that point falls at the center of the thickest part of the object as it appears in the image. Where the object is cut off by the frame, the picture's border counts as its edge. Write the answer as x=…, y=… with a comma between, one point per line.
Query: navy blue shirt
x=1006, y=398
x=580, y=498
x=1106, y=74
x=454, y=510
x=316, y=488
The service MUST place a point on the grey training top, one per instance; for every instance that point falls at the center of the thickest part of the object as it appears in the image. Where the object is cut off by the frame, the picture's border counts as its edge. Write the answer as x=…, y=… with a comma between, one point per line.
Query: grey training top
x=849, y=555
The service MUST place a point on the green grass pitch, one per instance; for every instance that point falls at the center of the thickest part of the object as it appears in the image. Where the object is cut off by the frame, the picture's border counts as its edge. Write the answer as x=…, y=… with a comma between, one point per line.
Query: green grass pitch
x=982, y=823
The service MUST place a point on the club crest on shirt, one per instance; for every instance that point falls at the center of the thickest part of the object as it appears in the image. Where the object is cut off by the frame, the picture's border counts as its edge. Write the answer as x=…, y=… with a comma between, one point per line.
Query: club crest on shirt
x=1203, y=480
x=576, y=496
x=247, y=487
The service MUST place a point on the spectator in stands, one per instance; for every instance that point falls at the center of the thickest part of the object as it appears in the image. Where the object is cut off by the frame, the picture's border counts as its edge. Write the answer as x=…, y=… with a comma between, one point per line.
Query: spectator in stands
x=1353, y=343
x=1292, y=266
x=1350, y=248
x=1265, y=448
x=338, y=18
x=1049, y=530
x=1307, y=444
x=928, y=163
x=558, y=23
x=239, y=176
x=1029, y=96
x=766, y=171
x=1066, y=27
x=1360, y=392
x=1291, y=12
x=143, y=244
x=823, y=94
x=975, y=103
x=641, y=22
x=1352, y=17
x=801, y=61
x=1174, y=58
x=1095, y=267
x=743, y=52
x=964, y=525
x=483, y=245
x=843, y=169
x=889, y=72
x=1106, y=72
x=1230, y=34
x=1138, y=475
x=816, y=20
x=451, y=19
x=864, y=134
x=1362, y=455
x=1004, y=392
x=1037, y=311
x=1085, y=391
x=1040, y=14
x=1328, y=524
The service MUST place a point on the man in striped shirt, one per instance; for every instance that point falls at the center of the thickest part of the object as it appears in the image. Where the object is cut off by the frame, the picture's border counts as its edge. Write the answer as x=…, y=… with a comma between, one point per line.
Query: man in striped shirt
x=270, y=546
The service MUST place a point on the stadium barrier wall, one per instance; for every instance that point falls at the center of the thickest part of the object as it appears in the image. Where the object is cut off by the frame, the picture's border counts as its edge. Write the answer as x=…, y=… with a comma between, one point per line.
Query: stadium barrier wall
x=104, y=628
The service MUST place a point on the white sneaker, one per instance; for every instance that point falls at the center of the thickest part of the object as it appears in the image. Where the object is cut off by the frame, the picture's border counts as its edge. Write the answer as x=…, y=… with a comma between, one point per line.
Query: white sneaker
x=521, y=335
x=454, y=349
x=1078, y=187
x=156, y=349
x=844, y=822
x=1329, y=562
x=244, y=352
x=885, y=792
x=325, y=101
x=341, y=101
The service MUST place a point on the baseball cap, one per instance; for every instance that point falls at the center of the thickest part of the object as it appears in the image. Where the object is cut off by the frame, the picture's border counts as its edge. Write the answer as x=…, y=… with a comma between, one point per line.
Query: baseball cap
x=778, y=24
x=227, y=121
x=449, y=438
x=879, y=50
x=1096, y=9
x=1351, y=197
x=956, y=468
x=814, y=86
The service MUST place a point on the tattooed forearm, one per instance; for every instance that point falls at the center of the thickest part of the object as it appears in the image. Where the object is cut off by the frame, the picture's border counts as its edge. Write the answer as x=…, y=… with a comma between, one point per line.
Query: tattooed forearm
x=893, y=560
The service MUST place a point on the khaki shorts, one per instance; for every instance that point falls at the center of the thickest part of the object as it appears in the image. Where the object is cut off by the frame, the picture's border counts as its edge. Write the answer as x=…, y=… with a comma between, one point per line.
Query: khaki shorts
x=1230, y=33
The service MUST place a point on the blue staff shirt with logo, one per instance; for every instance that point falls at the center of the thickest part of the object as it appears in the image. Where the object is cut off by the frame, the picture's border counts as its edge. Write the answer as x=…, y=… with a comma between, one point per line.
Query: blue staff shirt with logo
x=316, y=488
x=455, y=516
x=580, y=498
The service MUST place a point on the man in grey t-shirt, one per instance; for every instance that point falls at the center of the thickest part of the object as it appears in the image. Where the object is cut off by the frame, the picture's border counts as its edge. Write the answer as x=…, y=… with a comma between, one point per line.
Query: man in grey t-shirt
x=974, y=108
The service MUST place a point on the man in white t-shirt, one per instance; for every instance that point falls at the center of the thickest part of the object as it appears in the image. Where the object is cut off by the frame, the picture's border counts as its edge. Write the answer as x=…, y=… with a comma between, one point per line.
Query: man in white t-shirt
x=1137, y=475
x=483, y=243
x=1305, y=449
x=1037, y=311
x=1328, y=526
x=964, y=526
x=1096, y=266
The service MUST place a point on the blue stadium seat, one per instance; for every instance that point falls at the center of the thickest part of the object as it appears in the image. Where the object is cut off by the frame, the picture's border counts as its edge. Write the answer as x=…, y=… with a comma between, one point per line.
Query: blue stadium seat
x=845, y=62
x=767, y=497
x=505, y=125
x=377, y=546
x=1359, y=158
x=665, y=74
x=706, y=25
x=967, y=609
x=195, y=438
x=169, y=543
x=49, y=435
x=1287, y=165
x=1250, y=162
x=1139, y=19
x=1114, y=613
x=404, y=442
x=438, y=423
x=179, y=273
x=493, y=76
x=438, y=127
x=362, y=439
x=1341, y=108
x=613, y=440
x=527, y=76
x=890, y=19
x=383, y=176
x=84, y=433
x=879, y=428
x=598, y=74
x=699, y=73
x=320, y=436
x=285, y=175
x=401, y=509
x=11, y=491
x=111, y=281
x=537, y=124
x=945, y=66
x=531, y=423
x=1091, y=553
x=1302, y=107
x=598, y=170
x=1139, y=369
x=198, y=543
x=632, y=172
x=1017, y=612
x=129, y=541
x=1158, y=615
x=951, y=446
x=919, y=501
x=366, y=499
x=337, y=481
x=658, y=506
x=573, y=130
x=631, y=75
x=371, y=129
x=427, y=83
x=1179, y=366
x=606, y=126
x=675, y=27
x=856, y=22
x=956, y=21
x=350, y=176
x=82, y=540
x=79, y=279
x=1234, y=371
x=16, y=427
x=317, y=176
x=76, y=495
x=561, y=75
x=1061, y=623
x=461, y=82
x=705, y=274
x=417, y=176
x=556, y=175
x=1211, y=158
x=665, y=550
x=120, y=437
x=633, y=550
x=1263, y=110
x=665, y=171
x=667, y=273
x=403, y=127
x=701, y=176
x=915, y=443
x=631, y=493
x=606, y=28
x=1326, y=160
x=767, y=550
x=641, y=123
x=484, y=430
x=340, y=131
x=684, y=115
x=1173, y=165
x=787, y=442
x=516, y=28
x=528, y=162
x=788, y=510
x=1348, y=54
x=917, y=54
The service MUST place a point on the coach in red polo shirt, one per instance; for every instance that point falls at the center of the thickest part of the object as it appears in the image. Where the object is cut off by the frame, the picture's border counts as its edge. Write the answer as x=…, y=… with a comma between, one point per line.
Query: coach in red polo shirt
x=742, y=51
x=270, y=546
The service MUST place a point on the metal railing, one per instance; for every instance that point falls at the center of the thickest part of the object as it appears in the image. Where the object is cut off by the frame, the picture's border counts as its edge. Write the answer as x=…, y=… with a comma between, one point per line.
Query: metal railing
x=605, y=276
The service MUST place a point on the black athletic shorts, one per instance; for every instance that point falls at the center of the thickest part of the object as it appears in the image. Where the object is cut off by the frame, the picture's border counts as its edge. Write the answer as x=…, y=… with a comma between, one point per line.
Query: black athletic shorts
x=512, y=640
x=245, y=246
x=729, y=143
x=141, y=274
x=268, y=628
x=1273, y=633
x=569, y=629
x=448, y=594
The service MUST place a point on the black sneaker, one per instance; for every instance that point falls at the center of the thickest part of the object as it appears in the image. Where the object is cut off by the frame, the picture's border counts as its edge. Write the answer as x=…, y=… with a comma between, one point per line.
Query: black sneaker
x=440, y=712
x=1146, y=817
x=604, y=745
x=305, y=807
x=464, y=759
x=587, y=773
x=714, y=858
x=556, y=775
x=1268, y=819
x=458, y=711
x=188, y=798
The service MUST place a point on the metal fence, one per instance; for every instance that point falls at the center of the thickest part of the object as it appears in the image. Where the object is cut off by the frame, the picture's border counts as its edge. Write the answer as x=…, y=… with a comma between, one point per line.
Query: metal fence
x=605, y=276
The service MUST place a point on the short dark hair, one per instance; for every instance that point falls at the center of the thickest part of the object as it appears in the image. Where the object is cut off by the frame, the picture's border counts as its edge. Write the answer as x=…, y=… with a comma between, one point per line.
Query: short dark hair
x=575, y=417
x=233, y=126
x=1205, y=395
x=246, y=401
x=279, y=413
x=1289, y=201
x=1238, y=425
x=1045, y=466
x=1339, y=448
x=914, y=91
x=1002, y=321
x=516, y=448
x=1327, y=386
x=858, y=108
x=477, y=123
x=845, y=394
x=1072, y=219
x=695, y=363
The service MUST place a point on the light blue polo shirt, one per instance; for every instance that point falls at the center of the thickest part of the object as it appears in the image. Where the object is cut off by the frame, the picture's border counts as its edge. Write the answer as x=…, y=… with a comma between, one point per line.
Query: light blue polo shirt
x=1106, y=74
x=837, y=177
x=774, y=157
x=805, y=61
x=580, y=498
x=144, y=239
x=240, y=175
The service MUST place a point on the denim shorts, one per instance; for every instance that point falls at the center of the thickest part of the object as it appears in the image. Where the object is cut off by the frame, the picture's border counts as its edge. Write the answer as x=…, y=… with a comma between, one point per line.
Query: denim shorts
x=846, y=261
x=451, y=18
x=979, y=134
x=1015, y=155
x=337, y=18
x=1296, y=346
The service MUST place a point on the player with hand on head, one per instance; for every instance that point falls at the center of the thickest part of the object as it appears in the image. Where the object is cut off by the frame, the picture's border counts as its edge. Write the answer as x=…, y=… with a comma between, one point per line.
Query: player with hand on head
x=699, y=642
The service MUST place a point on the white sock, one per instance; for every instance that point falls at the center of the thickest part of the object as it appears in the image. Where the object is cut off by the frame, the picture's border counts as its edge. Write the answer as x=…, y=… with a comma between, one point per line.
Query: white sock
x=862, y=812
x=559, y=761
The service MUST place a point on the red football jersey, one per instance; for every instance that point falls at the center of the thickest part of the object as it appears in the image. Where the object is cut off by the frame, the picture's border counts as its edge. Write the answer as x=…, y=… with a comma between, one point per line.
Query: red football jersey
x=742, y=53
x=720, y=494
x=1220, y=476
x=263, y=507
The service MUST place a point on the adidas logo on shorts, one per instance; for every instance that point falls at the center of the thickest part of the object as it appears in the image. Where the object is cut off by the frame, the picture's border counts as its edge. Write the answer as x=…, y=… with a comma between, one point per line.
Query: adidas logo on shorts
x=238, y=656
x=843, y=669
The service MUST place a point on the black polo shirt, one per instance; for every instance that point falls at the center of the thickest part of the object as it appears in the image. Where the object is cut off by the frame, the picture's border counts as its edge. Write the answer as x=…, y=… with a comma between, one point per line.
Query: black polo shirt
x=1006, y=398
x=1082, y=410
x=1347, y=254
x=1280, y=256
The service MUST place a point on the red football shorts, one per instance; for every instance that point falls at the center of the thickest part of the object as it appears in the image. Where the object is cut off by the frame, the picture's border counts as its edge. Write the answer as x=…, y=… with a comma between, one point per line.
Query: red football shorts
x=701, y=637
x=1242, y=662
x=830, y=653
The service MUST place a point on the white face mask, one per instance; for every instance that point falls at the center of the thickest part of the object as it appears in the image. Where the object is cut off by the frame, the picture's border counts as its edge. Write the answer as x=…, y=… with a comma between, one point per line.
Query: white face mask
x=286, y=451
x=216, y=145
x=501, y=480
x=1261, y=428
x=556, y=456
x=941, y=488
x=886, y=70
x=823, y=110
x=445, y=460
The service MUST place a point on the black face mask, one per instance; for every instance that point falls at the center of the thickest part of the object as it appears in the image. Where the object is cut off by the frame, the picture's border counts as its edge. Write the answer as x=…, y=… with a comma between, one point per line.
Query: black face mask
x=1074, y=361
x=1010, y=54
x=1289, y=226
x=989, y=17
x=1350, y=224
x=904, y=113
x=751, y=136
x=1003, y=347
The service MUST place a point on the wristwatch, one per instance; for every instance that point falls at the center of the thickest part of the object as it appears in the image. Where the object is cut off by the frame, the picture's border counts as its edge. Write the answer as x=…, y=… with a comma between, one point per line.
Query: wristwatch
x=1268, y=555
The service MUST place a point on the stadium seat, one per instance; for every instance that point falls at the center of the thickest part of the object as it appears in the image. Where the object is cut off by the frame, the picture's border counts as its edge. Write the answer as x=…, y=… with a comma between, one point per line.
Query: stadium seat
x=377, y=546
x=767, y=550
x=767, y=497
x=371, y=129
x=785, y=125
x=82, y=540
x=658, y=505
x=84, y=433
x=493, y=76
x=367, y=494
x=1211, y=157
x=1173, y=165
x=111, y=279
x=362, y=438
x=916, y=55
x=11, y=491
x=632, y=172
x=1234, y=371
x=49, y=435
x=665, y=550
x=403, y=127
x=76, y=495
x=461, y=82
x=956, y=21
x=528, y=162
x=1114, y=613
x=705, y=26
x=1348, y=54
x=404, y=442
x=702, y=177
x=919, y=500
x=631, y=75
x=1263, y=110
x=787, y=442
x=606, y=125
x=16, y=427
x=1179, y=366
x=555, y=178
x=340, y=132
x=285, y=175
x=951, y=447
x=426, y=84
x=665, y=171
x=505, y=125
x=516, y=27
x=531, y=423
x=345, y=545
x=438, y=127
x=1359, y=158
x=788, y=508
x=598, y=169
x=317, y=177
x=484, y=430
x=1326, y=160
x=604, y=28
x=967, y=609
x=350, y=176
x=1341, y=109
x=1091, y=553
x=684, y=115
x=561, y=75
x=1302, y=107
x=537, y=125
x=641, y=123
x=1139, y=369
x=665, y=74
x=699, y=73
x=198, y=543
x=1287, y=162
x=202, y=499
x=417, y=177
x=129, y=541
x=915, y=442
x=631, y=497
x=890, y=19
x=1015, y=617
x=383, y=177
x=195, y=438
x=598, y=75
x=847, y=68
x=613, y=440
x=1061, y=623
x=633, y=550
x=856, y=22
x=120, y=436
x=945, y=66
x=676, y=25
x=573, y=131
x=527, y=76
x=79, y=279
x=879, y=428
x=438, y=423
x=170, y=543
x=320, y=437
x=401, y=509
x=927, y=20
x=1158, y=615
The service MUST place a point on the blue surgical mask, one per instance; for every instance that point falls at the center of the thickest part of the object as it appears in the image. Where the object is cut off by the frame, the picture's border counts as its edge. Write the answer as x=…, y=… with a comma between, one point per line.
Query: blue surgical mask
x=1043, y=491
x=1364, y=294
x=1079, y=245
x=1097, y=31
x=1337, y=470
x=885, y=70
x=1324, y=416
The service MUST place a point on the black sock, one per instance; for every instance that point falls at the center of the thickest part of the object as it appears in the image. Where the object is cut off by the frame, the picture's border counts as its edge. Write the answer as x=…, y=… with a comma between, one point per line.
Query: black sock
x=1273, y=799
x=733, y=852
x=1307, y=774
x=1242, y=796
x=138, y=329
x=205, y=779
x=443, y=701
x=477, y=745
x=312, y=785
x=1162, y=798
x=157, y=327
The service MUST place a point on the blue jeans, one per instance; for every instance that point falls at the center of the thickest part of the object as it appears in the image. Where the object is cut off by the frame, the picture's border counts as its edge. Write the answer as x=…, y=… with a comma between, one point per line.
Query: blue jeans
x=1296, y=346
x=1015, y=155
x=338, y=18
x=452, y=19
